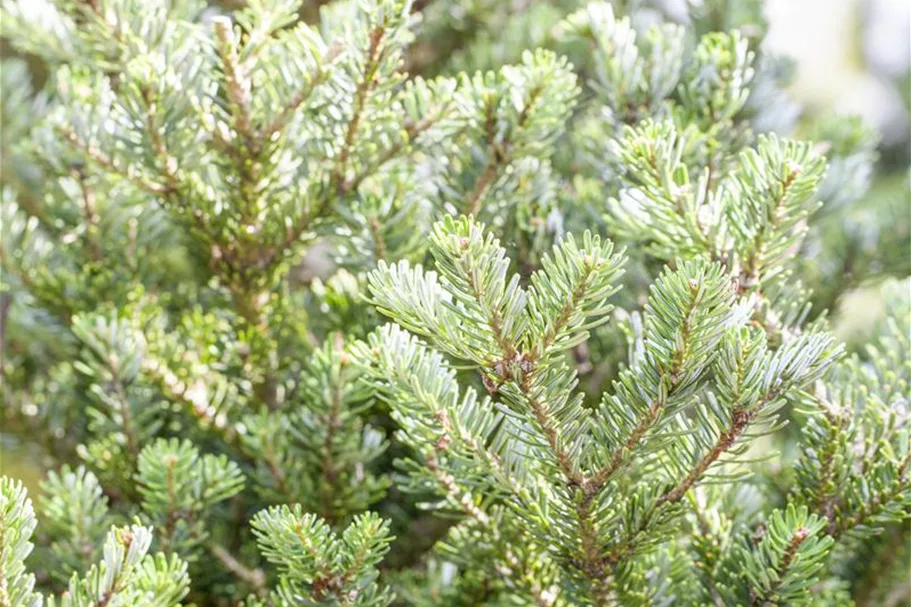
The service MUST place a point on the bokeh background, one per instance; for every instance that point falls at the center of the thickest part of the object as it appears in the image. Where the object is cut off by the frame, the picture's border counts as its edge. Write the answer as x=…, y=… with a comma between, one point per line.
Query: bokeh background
x=854, y=57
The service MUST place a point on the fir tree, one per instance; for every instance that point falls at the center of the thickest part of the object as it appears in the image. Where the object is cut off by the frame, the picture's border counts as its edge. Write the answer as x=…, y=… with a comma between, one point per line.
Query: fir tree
x=571, y=344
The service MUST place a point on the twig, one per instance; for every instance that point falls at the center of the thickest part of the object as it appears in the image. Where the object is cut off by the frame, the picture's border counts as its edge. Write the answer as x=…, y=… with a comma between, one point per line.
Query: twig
x=365, y=86
x=253, y=576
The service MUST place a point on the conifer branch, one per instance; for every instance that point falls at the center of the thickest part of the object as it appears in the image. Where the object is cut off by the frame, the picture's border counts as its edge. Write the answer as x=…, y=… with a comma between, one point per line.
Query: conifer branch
x=379, y=246
x=710, y=574
x=116, y=386
x=237, y=83
x=162, y=193
x=494, y=159
x=825, y=490
x=411, y=131
x=740, y=421
x=462, y=499
x=328, y=466
x=91, y=217
x=668, y=381
x=752, y=264
x=315, y=79
x=126, y=540
x=365, y=86
x=539, y=408
x=795, y=365
x=499, y=154
x=878, y=502
x=182, y=392
x=798, y=538
x=104, y=161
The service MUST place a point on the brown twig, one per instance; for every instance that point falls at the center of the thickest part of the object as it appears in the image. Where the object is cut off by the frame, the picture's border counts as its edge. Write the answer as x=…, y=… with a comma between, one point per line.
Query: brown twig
x=253, y=576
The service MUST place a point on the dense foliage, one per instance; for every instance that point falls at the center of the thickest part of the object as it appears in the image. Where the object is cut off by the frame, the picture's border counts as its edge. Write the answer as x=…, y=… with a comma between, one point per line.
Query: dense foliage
x=459, y=303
